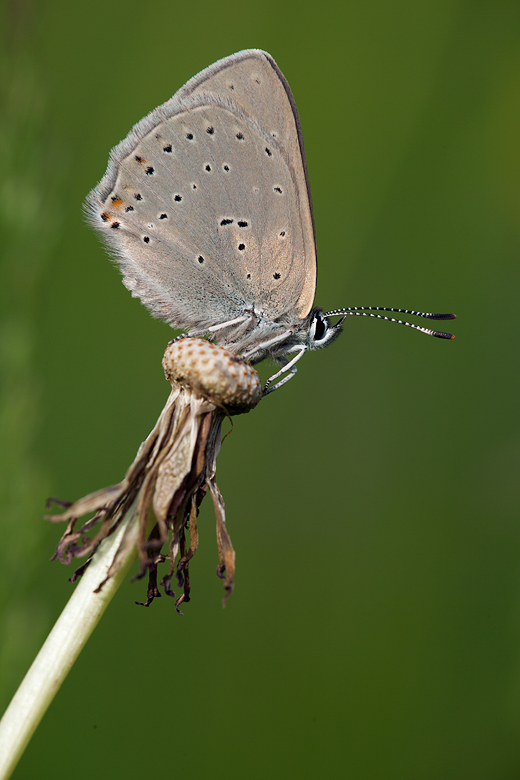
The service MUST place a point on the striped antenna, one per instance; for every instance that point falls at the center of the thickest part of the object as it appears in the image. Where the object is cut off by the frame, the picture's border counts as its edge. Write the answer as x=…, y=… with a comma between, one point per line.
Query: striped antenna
x=366, y=311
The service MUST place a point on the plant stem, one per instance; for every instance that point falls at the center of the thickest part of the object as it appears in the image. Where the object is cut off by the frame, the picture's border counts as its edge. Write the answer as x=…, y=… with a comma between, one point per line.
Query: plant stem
x=60, y=650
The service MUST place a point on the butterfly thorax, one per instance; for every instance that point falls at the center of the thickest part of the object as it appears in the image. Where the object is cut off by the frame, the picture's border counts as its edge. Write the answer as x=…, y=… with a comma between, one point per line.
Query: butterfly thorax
x=256, y=337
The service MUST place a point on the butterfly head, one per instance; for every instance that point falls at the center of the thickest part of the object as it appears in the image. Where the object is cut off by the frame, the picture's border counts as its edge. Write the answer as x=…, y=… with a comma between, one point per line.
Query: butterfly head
x=320, y=331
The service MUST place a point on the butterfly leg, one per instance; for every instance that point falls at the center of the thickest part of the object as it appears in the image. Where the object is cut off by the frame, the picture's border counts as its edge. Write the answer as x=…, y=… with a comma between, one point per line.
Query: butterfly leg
x=267, y=389
x=214, y=328
x=288, y=367
x=178, y=338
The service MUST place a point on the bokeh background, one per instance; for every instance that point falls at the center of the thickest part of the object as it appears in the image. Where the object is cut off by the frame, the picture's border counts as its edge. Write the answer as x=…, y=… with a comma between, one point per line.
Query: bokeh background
x=374, y=631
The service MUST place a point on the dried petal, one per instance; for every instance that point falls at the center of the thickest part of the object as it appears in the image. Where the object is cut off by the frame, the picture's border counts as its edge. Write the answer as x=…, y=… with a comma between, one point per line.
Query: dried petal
x=173, y=469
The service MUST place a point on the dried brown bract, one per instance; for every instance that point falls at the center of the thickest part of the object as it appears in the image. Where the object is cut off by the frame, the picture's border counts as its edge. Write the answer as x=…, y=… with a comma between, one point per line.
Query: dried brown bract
x=172, y=472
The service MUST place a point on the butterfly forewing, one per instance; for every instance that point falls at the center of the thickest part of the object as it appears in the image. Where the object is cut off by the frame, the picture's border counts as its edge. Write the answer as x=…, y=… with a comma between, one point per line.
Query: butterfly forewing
x=206, y=205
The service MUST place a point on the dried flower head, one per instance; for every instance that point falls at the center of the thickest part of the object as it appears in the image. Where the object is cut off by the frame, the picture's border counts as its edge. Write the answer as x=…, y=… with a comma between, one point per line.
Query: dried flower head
x=172, y=472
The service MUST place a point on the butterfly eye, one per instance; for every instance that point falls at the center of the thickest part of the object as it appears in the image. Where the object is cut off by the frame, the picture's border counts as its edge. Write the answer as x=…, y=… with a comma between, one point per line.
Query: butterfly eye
x=319, y=328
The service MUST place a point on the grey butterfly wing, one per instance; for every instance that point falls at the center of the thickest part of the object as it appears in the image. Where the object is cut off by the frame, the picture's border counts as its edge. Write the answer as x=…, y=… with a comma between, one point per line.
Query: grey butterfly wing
x=206, y=204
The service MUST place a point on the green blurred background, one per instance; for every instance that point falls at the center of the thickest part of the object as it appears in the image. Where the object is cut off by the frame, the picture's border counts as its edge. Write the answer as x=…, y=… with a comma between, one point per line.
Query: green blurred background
x=374, y=631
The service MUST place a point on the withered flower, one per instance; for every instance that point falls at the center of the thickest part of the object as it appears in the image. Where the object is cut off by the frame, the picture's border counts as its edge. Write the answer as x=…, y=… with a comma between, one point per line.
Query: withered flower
x=173, y=470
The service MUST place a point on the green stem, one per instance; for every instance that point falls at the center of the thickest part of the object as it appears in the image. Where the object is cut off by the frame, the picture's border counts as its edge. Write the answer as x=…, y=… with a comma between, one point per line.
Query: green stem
x=60, y=650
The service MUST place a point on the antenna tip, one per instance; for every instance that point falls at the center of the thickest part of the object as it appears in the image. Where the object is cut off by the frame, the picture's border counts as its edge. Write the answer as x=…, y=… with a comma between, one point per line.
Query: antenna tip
x=452, y=337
